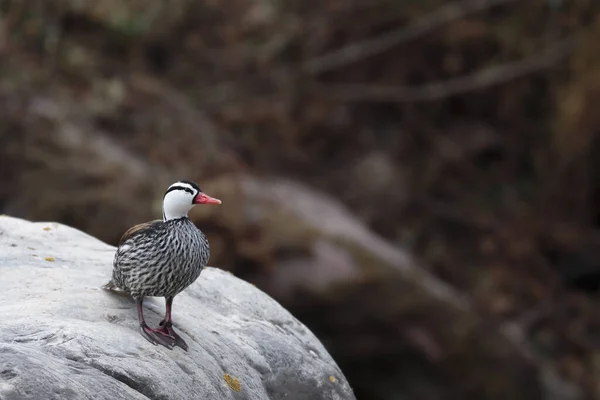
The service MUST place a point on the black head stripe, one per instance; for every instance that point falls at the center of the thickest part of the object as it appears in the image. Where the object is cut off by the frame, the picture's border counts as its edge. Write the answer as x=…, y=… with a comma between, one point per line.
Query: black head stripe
x=187, y=189
x=192, y=184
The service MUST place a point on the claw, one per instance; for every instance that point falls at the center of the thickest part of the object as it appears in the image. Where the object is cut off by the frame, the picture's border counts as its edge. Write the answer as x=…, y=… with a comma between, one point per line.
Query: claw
x=167, y=328
x=157, y=336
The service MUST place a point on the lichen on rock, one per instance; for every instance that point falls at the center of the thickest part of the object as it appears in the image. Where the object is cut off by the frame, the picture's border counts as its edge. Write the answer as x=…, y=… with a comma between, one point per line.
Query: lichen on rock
x=64, y=337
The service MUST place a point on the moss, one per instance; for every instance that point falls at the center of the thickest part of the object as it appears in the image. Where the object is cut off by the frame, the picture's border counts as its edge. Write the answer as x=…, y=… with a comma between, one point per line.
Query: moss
x=232, y=382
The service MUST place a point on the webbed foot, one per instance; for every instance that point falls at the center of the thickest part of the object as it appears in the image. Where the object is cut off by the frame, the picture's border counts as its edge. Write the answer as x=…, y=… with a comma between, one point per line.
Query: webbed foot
x=157, y=336
x=167, y=328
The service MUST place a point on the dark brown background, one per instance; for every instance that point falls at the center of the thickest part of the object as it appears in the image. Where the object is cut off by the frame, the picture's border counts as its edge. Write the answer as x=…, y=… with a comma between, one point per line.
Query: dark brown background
x=463, y=134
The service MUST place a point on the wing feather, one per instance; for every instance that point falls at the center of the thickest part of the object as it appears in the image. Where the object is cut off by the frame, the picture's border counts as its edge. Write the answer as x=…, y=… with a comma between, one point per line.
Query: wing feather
x=139, y=228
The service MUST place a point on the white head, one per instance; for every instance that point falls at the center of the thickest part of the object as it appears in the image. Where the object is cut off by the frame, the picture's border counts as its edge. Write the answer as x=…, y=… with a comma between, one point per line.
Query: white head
x=181, y=196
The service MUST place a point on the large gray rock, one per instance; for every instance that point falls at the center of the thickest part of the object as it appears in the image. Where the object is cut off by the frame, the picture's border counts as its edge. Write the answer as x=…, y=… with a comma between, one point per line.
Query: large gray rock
x=62, y=337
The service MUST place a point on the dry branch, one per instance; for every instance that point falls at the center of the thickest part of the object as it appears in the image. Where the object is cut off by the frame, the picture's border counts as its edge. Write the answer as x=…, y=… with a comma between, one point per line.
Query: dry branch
x=438, y=90
x=379, y=44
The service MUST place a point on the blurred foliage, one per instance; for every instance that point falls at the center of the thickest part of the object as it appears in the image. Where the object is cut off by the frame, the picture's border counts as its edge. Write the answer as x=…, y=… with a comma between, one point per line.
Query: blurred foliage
x=465, y=131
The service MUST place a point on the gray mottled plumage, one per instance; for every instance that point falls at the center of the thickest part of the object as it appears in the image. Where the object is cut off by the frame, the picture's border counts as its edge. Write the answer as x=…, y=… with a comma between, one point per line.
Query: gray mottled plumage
x=160, y=258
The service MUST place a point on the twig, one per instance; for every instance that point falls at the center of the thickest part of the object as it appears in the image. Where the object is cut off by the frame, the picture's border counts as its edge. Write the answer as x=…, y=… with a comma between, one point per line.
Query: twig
x=370, y=47
x=449, y=213
x=450, y=87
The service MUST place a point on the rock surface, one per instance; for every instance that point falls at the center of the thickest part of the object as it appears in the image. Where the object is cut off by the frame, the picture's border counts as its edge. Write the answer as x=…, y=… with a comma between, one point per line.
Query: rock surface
x=64, y=338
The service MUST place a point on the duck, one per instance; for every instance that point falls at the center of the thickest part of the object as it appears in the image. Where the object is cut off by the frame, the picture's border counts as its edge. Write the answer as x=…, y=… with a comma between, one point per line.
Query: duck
x=161, y=258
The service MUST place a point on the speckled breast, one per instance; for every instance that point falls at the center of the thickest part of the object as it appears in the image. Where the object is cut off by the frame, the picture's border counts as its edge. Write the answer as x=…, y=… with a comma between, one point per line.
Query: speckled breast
x=163, y=261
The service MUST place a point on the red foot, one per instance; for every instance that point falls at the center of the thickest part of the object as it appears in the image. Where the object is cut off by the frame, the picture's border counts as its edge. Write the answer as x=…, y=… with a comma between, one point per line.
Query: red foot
x=167, y=329
x=157, y=336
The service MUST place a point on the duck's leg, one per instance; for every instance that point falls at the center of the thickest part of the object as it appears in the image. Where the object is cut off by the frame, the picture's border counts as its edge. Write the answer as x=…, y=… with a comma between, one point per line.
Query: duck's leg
x=167, y=326
x=154, y=336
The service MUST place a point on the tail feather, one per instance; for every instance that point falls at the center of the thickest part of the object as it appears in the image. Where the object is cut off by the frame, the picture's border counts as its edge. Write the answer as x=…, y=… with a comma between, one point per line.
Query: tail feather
x=110, y=285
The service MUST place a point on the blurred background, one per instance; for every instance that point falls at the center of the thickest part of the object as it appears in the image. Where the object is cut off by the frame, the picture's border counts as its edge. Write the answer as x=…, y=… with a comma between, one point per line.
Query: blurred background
x=415, y=180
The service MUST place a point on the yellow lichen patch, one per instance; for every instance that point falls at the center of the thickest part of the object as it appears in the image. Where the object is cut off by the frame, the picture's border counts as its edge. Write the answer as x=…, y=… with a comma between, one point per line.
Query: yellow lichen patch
x=51, y=259
x=234, y=383
x=332, y=378
x=47, y=228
